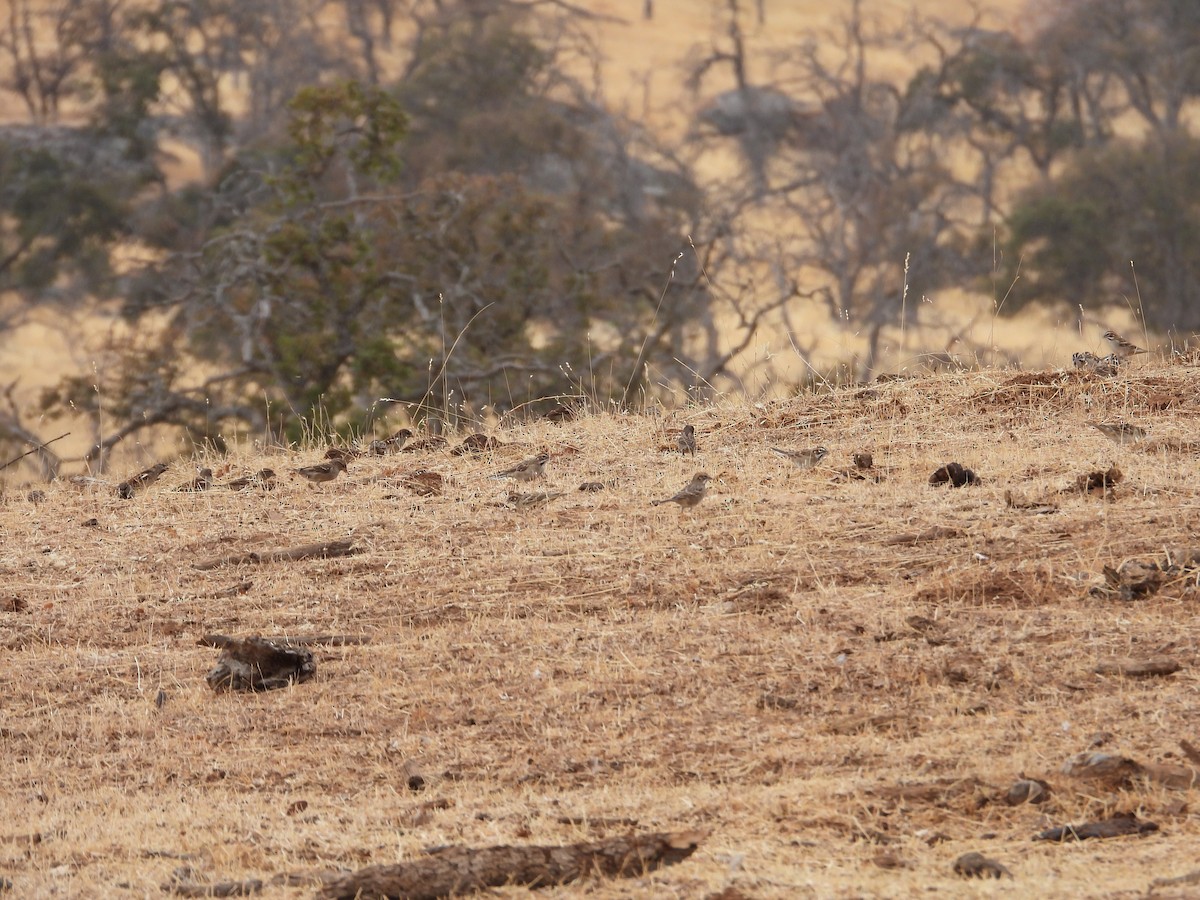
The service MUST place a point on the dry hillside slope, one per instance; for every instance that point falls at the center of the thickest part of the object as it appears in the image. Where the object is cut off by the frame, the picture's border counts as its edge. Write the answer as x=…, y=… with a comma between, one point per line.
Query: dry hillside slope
x=837, y=679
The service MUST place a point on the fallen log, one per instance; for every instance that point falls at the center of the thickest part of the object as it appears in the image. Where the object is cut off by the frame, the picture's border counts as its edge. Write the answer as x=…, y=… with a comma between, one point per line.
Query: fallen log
x=322, y=550
x=458, y=870
x=220, y=641
x=1138, y=668
x=1117, y=826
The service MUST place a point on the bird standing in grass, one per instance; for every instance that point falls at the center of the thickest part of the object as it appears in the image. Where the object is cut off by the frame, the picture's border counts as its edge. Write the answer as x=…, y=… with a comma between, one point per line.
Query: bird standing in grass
x=687, y=440
x=527, y=470
x=1122, y=348
x=126, y=489
x=526, y=501
x=394, y=444
x=805, y=459
x=1120, y=433
x=263, y=478
x=323, y=472
x=202, y=482
x=691, y=494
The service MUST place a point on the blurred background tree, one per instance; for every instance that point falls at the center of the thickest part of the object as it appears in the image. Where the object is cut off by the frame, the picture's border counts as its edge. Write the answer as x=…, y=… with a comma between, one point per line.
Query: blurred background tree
x=429, y=201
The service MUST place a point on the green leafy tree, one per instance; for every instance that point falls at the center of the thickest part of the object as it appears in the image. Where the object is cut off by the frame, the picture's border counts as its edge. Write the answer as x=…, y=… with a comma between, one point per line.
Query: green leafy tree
x=1074, y=237
x=481, y=231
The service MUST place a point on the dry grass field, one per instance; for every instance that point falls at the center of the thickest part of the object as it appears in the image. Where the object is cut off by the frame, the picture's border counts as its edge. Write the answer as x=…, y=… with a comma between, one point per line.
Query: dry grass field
x=837, y=680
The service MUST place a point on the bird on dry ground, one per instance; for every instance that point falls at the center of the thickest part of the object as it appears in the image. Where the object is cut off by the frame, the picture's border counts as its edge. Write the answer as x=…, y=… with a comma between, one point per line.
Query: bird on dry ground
x=323, y=472
x=1120, y=433
x=527, y=470
x=687, y=440
x=560, y=413
x=475, y=443
x=1090, y=362
x=691, y=494
x=1121, y=347
x=202, y=482
x=394, y=444
x=425, y=445
x=805, y=459
x=424, y=483
x=126, y=489
x=525, y=501
x=263, y=478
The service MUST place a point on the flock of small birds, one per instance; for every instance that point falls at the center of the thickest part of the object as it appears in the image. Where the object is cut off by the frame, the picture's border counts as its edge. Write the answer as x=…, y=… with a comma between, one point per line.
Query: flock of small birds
x=337, y=460
x=1122, y=350
x=525, y=472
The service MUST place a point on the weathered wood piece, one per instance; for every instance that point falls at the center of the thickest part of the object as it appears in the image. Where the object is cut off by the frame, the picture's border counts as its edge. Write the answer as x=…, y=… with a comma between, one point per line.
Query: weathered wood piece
x=321, y=550
x=458, y=870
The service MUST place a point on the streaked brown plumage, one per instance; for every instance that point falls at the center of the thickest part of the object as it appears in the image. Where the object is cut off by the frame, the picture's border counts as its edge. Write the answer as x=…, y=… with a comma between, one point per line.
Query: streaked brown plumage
x=527, y=470
x=1120, y=433
x=263, y=478
x=1121, y=347
x=525, y=501
x=686, y=442
x=424, y=445
x=202, y=482
x=805, y=459
x=691, y=494
x=394, y=444
x=475, y=443
x=323, y=472
x=424, y=483
x=126, y=489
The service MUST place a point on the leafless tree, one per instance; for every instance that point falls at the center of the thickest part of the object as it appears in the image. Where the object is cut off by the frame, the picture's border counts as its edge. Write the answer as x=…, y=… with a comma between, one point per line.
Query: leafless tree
x=47, y=46
x=869, y=201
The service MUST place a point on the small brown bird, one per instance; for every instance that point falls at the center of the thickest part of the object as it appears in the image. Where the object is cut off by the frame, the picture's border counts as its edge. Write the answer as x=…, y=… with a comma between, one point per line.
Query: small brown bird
x=126, y=489
x=475, y=443
x=525, y=501
x=424, y=483
x=527, y=470
x=263, y=478
x=394, y=444
x=976, y=865
x=1090, y=362
x=560, y=413
x=1121, y=347
x=805, y=459
x=687, y=440
x=323, y=472
x=1120, y=433
x=202, y=482
x=691, y=494
x=425, y=445
x=341, y=453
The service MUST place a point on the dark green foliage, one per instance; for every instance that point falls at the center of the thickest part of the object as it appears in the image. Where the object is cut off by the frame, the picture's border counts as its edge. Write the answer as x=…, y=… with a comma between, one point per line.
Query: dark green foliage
x=56, y=222
x=1076, y=235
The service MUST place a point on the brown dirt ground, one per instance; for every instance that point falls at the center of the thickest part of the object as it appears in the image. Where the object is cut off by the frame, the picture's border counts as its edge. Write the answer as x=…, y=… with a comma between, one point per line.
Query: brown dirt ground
x=598, y=665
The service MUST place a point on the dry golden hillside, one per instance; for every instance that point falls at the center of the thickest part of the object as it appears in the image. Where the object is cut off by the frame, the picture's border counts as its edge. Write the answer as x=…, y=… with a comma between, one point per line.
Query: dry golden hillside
x=643, y=71
x=835, y=679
